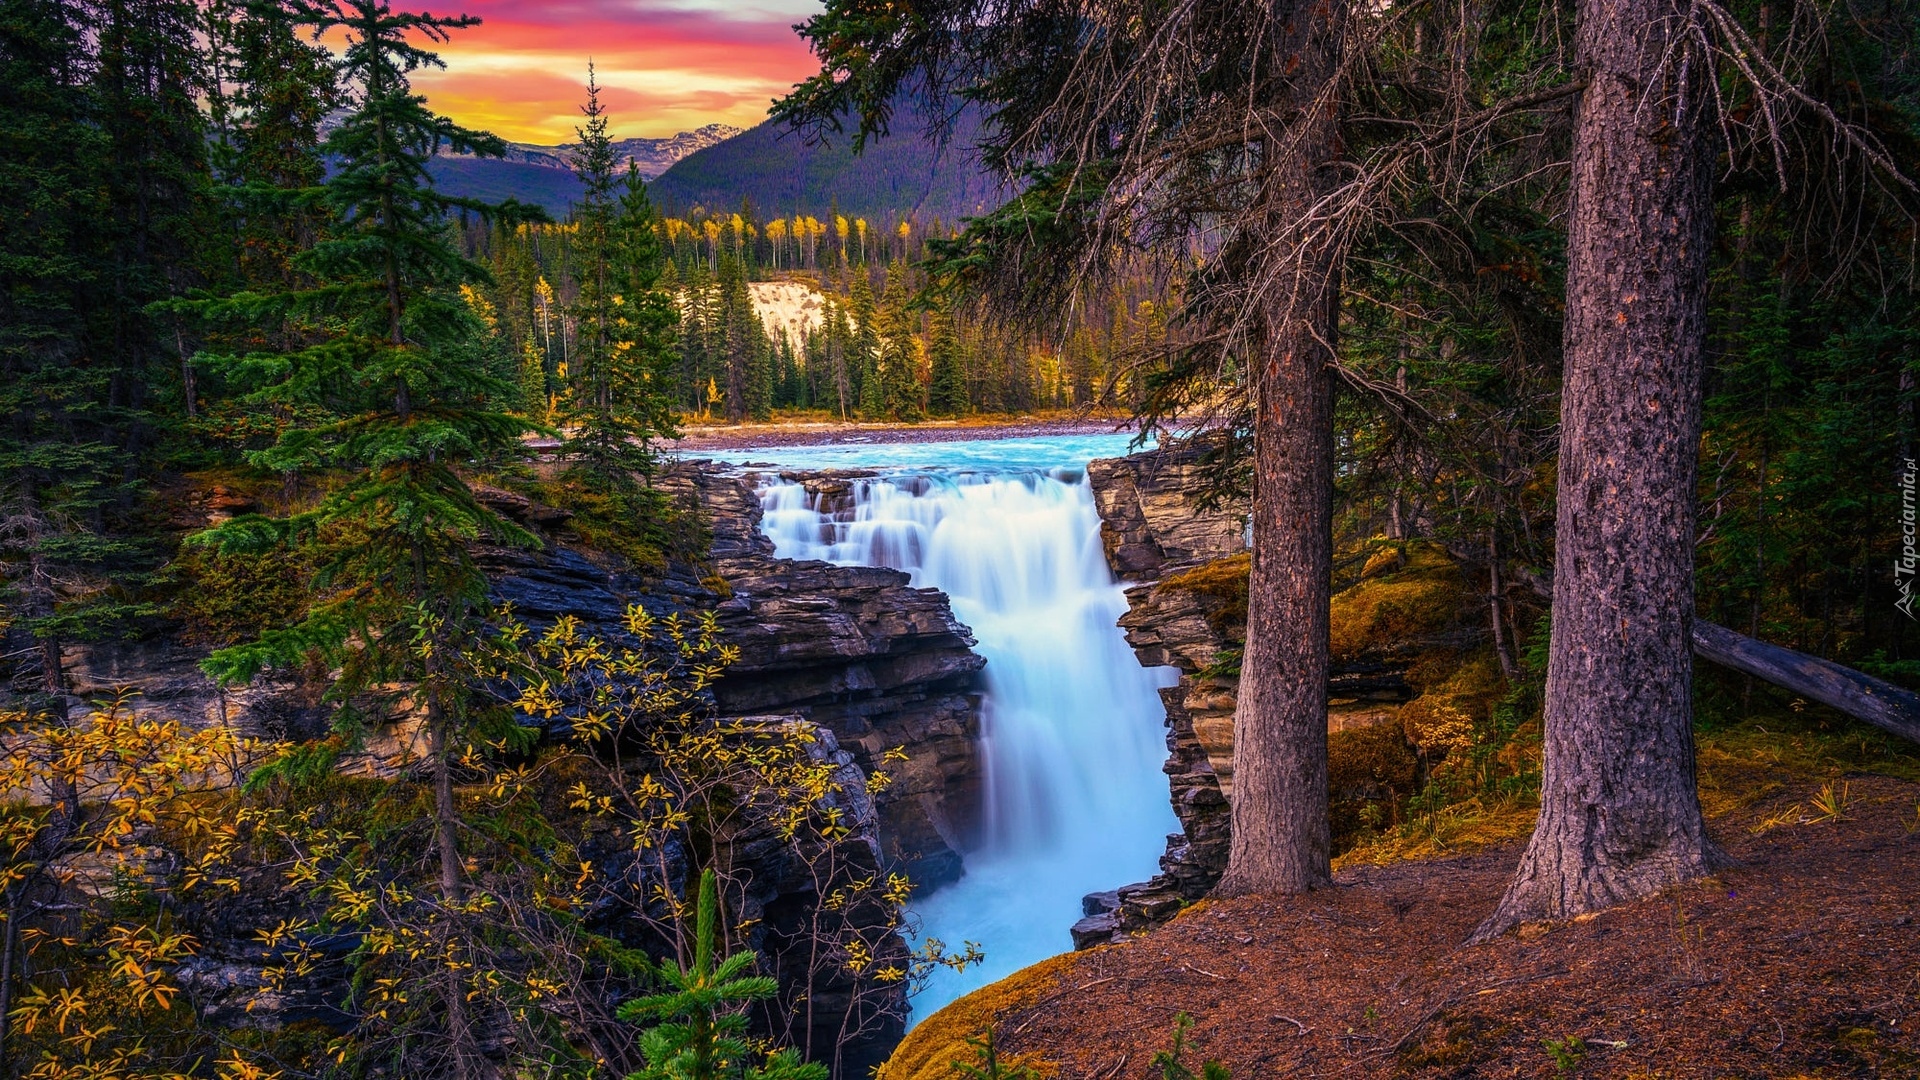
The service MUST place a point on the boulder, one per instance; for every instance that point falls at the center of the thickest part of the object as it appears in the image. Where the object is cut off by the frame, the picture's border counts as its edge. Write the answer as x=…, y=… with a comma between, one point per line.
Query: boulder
x=1095, y=930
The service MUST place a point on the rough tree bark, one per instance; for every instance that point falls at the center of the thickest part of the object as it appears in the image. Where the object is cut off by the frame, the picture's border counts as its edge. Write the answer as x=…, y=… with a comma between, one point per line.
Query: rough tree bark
x=446, y=821
x=1620, y=814
x=1280, y=829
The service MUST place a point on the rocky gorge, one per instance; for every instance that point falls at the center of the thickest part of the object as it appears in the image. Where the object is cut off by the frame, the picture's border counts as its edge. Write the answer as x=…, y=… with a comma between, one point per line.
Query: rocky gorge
x=1403, y=628
x=876, y=668
x=890, y=679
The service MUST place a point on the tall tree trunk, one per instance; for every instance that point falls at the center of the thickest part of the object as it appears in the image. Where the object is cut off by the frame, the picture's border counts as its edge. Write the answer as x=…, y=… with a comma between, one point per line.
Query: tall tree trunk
x=1619, y=810
x=446, y=838
x=9, y=943
x=1280, y=829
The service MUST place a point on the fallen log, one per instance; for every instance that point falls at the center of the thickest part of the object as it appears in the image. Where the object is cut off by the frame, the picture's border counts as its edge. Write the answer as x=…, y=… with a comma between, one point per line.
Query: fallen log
x=1859, y=695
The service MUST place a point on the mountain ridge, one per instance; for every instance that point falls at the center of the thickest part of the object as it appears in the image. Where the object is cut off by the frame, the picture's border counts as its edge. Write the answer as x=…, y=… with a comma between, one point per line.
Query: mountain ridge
x=653, y=156
x=717, y=167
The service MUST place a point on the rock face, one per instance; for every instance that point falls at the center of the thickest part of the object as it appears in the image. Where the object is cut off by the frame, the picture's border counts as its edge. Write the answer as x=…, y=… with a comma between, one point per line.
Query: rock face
x=859, y=651
x=1149, y=518
x=1411, y=610
x=1152, y=529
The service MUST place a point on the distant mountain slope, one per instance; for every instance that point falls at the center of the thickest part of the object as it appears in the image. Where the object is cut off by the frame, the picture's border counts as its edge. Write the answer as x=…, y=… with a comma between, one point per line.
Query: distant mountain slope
x=544, y=174
x=496, y=181
x=776, y=168
x=768, y=164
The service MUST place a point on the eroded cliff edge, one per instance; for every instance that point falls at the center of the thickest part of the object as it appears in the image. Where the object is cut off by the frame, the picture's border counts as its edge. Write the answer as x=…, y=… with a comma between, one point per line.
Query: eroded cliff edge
x=860, y=651
x=856, y=652
x=1409, y=668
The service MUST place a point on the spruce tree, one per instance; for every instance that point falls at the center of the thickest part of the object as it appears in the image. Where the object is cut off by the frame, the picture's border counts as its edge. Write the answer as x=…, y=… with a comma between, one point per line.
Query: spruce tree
x=103, y=174
x=895, y=370
x=386, y=372
x=749, y=370
x=947, y=394
x=269, y=93
x=54, y=459
x=863, y=348
x=616, y=399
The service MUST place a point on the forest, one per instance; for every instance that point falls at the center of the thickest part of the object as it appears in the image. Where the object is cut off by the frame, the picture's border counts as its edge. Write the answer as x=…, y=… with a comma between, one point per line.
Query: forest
x=879, y=348
x=1611, y=305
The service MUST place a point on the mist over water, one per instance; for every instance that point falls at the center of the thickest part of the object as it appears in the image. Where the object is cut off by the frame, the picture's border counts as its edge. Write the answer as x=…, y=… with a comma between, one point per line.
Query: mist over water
x=1071, y=723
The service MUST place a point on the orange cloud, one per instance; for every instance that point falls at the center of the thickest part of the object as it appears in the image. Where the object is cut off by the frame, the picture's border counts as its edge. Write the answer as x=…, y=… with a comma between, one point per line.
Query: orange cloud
x=522, y=73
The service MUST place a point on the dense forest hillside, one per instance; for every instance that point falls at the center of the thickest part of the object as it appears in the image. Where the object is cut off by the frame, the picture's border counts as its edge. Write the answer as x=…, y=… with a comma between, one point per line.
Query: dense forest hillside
x=491, y=180
x=780, y=172
x=770, y=166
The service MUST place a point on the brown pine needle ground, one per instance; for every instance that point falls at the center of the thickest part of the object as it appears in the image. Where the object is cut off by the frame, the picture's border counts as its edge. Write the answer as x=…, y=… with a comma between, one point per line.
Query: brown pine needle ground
x=1802, y=961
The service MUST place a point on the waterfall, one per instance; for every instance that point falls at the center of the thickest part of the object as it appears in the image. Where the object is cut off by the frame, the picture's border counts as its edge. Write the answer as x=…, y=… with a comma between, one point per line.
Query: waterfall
x=1071, y=723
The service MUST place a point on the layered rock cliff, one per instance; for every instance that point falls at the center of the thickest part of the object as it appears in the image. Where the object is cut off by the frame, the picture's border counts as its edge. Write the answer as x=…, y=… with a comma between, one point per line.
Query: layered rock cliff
x=859, y=651
x=869, y=661
x=1408, y=671
x=1153, y=528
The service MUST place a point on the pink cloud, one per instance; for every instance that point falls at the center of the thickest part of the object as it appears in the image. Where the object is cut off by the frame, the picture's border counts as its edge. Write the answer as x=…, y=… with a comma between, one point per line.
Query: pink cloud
x=522, y=73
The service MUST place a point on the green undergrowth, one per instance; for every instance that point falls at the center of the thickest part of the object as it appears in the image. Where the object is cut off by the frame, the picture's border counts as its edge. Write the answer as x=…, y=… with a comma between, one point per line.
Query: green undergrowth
x=644, y=526
x=1457, y=768
x=1753, y=744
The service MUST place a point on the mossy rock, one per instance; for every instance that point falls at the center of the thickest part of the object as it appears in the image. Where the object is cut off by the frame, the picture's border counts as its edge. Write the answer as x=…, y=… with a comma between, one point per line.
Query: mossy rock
x=1415, y=594
x=1376, y=758
x=930, y=1049
x=1371, y=771
x=1224, y=583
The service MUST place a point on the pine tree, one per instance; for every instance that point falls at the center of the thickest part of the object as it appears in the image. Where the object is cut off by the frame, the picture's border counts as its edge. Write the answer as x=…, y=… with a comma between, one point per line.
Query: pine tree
x=749, y=370
x=269, y=93
x=616, y=395
x=895, y=371
x=645, y=373
x=402, y=407
x=696, y=1027
x=863, y=348
x=947, y=394
x=103, y=172
x=838, y=336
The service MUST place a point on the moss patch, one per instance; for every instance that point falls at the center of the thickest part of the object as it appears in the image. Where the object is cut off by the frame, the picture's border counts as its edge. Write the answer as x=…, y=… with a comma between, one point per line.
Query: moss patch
x=930, y=1049
x=1371, y=771
x=225, y=599
x=1416, y=592
x=1224, y=583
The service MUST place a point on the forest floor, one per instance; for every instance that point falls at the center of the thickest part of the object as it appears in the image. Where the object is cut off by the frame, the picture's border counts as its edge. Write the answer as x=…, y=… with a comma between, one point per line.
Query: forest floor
x=1802, y=960
x=815, y=431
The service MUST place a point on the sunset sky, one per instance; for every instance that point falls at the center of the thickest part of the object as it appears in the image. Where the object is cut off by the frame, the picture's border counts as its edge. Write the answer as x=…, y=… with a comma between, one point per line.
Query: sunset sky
x=664, y=65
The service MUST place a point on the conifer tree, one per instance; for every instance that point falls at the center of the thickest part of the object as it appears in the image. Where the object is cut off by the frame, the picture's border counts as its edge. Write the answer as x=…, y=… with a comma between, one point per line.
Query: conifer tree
x=837, y=337
x=749, y=370
x=269, y=92
x=863, y=347
x=696, y=1028
x=895, y=371
x=947, y=393
x=48, y=457
x=388, y=369
x=616, y=401
x=103, y=174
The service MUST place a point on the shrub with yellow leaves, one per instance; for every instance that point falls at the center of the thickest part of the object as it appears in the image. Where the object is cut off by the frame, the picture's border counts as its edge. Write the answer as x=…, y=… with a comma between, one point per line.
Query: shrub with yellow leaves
x=103, y=817
x=577, y=860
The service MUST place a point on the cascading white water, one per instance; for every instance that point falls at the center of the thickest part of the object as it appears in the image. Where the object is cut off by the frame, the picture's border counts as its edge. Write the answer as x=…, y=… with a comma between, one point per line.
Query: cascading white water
x=1071, y=724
